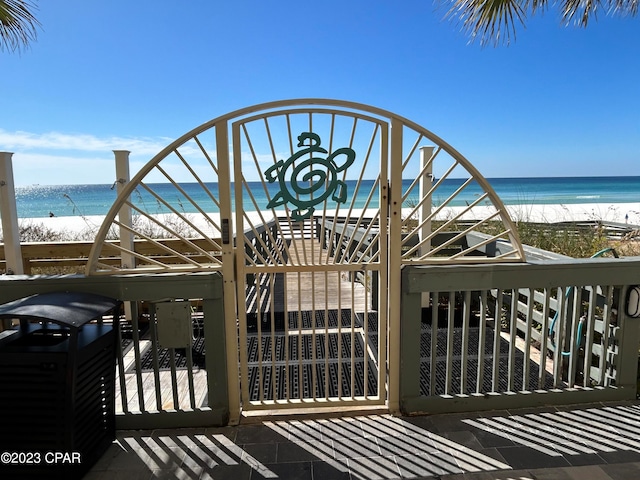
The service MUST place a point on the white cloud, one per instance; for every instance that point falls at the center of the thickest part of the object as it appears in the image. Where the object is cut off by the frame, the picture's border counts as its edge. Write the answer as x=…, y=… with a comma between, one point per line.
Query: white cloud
x=26, y=141
x=56, y=158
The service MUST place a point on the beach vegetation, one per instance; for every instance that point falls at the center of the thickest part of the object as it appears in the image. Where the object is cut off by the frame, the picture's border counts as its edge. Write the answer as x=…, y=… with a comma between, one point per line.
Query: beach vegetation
x=18, y=24
x=570, y=239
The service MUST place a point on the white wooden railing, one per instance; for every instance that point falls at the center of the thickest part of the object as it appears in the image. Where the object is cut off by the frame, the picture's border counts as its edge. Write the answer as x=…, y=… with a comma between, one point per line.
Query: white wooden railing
x=517, y=335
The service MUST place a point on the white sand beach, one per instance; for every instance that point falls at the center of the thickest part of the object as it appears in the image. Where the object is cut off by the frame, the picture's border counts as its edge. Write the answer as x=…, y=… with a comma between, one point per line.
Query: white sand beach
x=88, y=226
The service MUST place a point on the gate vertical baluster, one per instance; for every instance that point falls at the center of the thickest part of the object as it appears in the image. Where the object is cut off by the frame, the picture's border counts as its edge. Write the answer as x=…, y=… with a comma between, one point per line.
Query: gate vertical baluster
x=353, y=335
x=513, y=334
x=451, y=309
x=495, y=374
x=121, y=372
x=174, y=379
x=136, y=346
x=260, y=278
x=482, y=335
x=327, y=374
x=365, y=338
x=300, y=344
x=464, y=357
x=154, y=353
x=433, y=361
x=604, y=339
x=527, y=341
x=287, y=355
x=314, y=376
x=573, y=337
x=544, y=339
x=339, y=380
x=561, y=320
x=589, y=335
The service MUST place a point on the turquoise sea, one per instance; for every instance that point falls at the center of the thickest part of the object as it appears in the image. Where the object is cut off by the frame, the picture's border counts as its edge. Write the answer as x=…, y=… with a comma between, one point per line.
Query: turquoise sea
x=38, y=201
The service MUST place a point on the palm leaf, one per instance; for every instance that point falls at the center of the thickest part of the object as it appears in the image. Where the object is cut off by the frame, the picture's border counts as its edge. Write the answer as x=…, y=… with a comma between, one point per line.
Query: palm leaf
x=494, y=21
x=18, y=26
x=581, y=11
x=491, y=21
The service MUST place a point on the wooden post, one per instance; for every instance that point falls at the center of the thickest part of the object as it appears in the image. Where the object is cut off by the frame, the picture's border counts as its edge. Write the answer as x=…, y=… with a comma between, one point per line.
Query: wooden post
x=124, y=216
x=426, y=182
x=10, y=229
x=9, y=212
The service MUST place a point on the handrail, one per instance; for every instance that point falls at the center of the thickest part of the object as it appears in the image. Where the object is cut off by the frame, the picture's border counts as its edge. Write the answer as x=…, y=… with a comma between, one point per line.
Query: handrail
x=75, y=253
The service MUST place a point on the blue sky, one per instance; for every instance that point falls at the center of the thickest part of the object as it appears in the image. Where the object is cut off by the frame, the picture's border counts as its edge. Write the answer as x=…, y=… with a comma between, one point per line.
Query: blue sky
x=136, y=75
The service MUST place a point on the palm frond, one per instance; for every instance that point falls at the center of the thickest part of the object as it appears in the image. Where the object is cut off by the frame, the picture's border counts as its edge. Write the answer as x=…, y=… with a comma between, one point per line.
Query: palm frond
x=625, y=7
x=491, y=21
x=580, y=11
x=494, y=21
x=18, y=25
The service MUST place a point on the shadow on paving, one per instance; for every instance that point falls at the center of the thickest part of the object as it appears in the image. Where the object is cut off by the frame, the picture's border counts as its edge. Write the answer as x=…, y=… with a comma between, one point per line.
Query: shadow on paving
x=524, y=444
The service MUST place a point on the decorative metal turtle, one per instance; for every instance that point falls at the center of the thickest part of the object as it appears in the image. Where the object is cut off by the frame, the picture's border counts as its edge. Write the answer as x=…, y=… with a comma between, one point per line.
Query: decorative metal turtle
x=309, y=177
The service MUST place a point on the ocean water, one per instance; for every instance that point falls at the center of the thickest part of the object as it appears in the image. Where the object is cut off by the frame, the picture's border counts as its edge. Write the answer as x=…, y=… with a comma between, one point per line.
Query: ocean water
x=38, y=201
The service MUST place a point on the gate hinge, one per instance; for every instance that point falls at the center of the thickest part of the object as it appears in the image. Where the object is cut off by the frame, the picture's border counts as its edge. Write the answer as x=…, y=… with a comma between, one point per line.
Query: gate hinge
x=388, y=194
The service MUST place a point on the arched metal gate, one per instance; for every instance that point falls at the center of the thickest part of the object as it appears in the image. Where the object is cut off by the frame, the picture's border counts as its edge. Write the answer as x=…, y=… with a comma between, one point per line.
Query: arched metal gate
x=308, y=208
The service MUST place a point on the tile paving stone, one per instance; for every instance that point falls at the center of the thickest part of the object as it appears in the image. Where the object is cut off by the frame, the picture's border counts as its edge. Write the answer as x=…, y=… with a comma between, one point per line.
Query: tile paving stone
x=591, y=472
x=492, y=453
x=229, y=472
x=139, y=460
x=584, y=459
x=409, y=445
x=344, y=428
x=383, y=426
x=229, y=432
x=381, y=446
x=195, y=465
x=622, y=471
x=257, y=434
x=290, y=471
x=496, y=475
x=471, y=461
x=451, y=422
x=425, y=465
x=373, y=468
x=298, y=428
x=519, y=457
x=327, y=471
x=261, y=452
x=114, y=450
x=294, y=452
x=489, y=439
x=356, y=447
x=176, y=432
x=464, y=437
x=620, y=456
x=421, y=422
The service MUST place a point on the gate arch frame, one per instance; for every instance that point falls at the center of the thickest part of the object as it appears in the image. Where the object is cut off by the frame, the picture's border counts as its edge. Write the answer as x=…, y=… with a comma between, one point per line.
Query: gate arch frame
x=268, y=106
x=222, y=126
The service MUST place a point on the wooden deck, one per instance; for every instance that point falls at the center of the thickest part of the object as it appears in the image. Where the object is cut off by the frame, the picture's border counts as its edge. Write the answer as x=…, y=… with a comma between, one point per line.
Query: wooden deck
x=166, y=382
x=307, y=291
x=331, y=301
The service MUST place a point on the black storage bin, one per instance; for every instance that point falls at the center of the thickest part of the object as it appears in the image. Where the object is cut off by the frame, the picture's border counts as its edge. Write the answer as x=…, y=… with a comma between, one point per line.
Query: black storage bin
x=57, y=384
